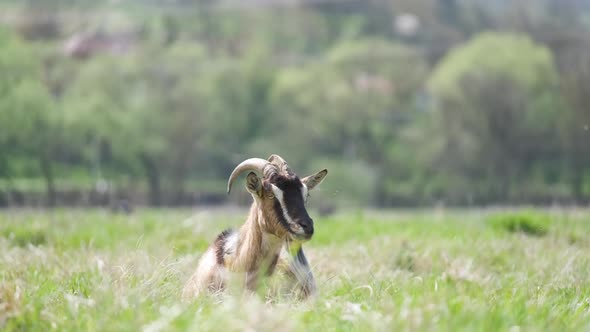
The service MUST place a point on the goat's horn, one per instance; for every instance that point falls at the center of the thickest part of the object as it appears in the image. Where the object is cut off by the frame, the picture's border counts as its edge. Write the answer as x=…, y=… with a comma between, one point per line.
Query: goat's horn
x=278, y=161
x=253, y=164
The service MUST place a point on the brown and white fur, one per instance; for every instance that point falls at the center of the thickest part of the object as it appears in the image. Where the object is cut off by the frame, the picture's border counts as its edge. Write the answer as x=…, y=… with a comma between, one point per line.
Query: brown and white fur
x=270, y=239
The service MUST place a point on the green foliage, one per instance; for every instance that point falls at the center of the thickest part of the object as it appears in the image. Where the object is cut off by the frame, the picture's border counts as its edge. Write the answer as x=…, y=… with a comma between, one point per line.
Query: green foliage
x=29, y=121
x=351, y=182
x=516, y=56
x=22, y=236
x=352, y=101
x=496, y=101
x=25, y=108
x=351, y=106
x=169, y=97
x=526, y=222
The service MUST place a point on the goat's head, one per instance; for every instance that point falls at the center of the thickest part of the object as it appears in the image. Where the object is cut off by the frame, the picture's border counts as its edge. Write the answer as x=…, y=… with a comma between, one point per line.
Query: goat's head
x=280, y=193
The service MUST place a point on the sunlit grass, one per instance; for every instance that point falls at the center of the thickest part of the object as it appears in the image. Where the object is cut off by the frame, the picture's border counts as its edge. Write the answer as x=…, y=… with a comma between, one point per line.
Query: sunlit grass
x=79, y=270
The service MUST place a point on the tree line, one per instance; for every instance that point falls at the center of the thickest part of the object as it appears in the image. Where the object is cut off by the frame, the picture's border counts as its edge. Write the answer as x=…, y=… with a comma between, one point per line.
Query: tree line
x=405, y=102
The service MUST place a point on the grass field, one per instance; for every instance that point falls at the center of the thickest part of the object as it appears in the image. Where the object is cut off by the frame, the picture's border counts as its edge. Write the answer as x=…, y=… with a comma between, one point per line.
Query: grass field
x=472, y=270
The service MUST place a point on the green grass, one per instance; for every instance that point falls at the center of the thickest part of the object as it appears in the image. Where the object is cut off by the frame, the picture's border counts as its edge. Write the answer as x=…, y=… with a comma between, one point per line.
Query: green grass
x=472, y=270
x=527, y=222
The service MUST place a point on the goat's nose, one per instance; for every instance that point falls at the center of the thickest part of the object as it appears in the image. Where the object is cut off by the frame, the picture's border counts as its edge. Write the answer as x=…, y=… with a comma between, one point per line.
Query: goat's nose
x=307, y=227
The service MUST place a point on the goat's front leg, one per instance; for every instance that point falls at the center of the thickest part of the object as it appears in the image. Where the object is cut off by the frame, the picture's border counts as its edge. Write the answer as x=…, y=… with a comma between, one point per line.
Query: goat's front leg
x=252, y=280
x=299, y=271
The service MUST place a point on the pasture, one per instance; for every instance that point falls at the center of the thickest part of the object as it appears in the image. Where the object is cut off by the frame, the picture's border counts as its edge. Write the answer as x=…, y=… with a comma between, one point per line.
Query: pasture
x=419, y=270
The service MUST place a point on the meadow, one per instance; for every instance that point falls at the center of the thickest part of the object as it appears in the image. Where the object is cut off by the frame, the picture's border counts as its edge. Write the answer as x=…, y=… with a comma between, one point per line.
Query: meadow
x=399, y=270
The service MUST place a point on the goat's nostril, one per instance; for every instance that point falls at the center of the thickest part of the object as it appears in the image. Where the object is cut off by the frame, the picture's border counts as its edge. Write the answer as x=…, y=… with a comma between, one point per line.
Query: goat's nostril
x=308, y=228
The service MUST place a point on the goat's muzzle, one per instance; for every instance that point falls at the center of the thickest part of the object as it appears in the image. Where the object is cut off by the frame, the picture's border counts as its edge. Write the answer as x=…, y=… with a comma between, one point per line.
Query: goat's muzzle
x=306, y=230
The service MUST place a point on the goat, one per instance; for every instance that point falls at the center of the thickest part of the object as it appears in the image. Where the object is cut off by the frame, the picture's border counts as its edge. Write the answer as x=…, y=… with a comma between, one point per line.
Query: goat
x=271, y=237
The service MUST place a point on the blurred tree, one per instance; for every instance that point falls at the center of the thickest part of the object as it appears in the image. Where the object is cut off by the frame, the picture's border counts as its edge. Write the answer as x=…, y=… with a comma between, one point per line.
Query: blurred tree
x=29, y=121
x=352, y=105
x=563, y=27
x=167, y=114
x=437, y=25
x=234, y=97
x=376, y=15
x=497, y=101
x=574, y=64
x=189, y=88
x=566, y=34
x=99, y=115
x=139, y=112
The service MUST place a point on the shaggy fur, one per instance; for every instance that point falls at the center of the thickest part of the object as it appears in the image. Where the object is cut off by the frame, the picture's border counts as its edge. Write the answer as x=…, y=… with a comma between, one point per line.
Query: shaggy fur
x=269, y=240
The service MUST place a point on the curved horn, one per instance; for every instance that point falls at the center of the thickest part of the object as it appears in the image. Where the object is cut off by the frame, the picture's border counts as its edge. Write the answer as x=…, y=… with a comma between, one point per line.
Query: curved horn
x=252, y=164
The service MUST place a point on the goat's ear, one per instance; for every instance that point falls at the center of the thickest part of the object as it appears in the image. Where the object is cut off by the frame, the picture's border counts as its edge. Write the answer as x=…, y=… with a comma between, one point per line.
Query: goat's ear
x=253, y=184
x=313, y=180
